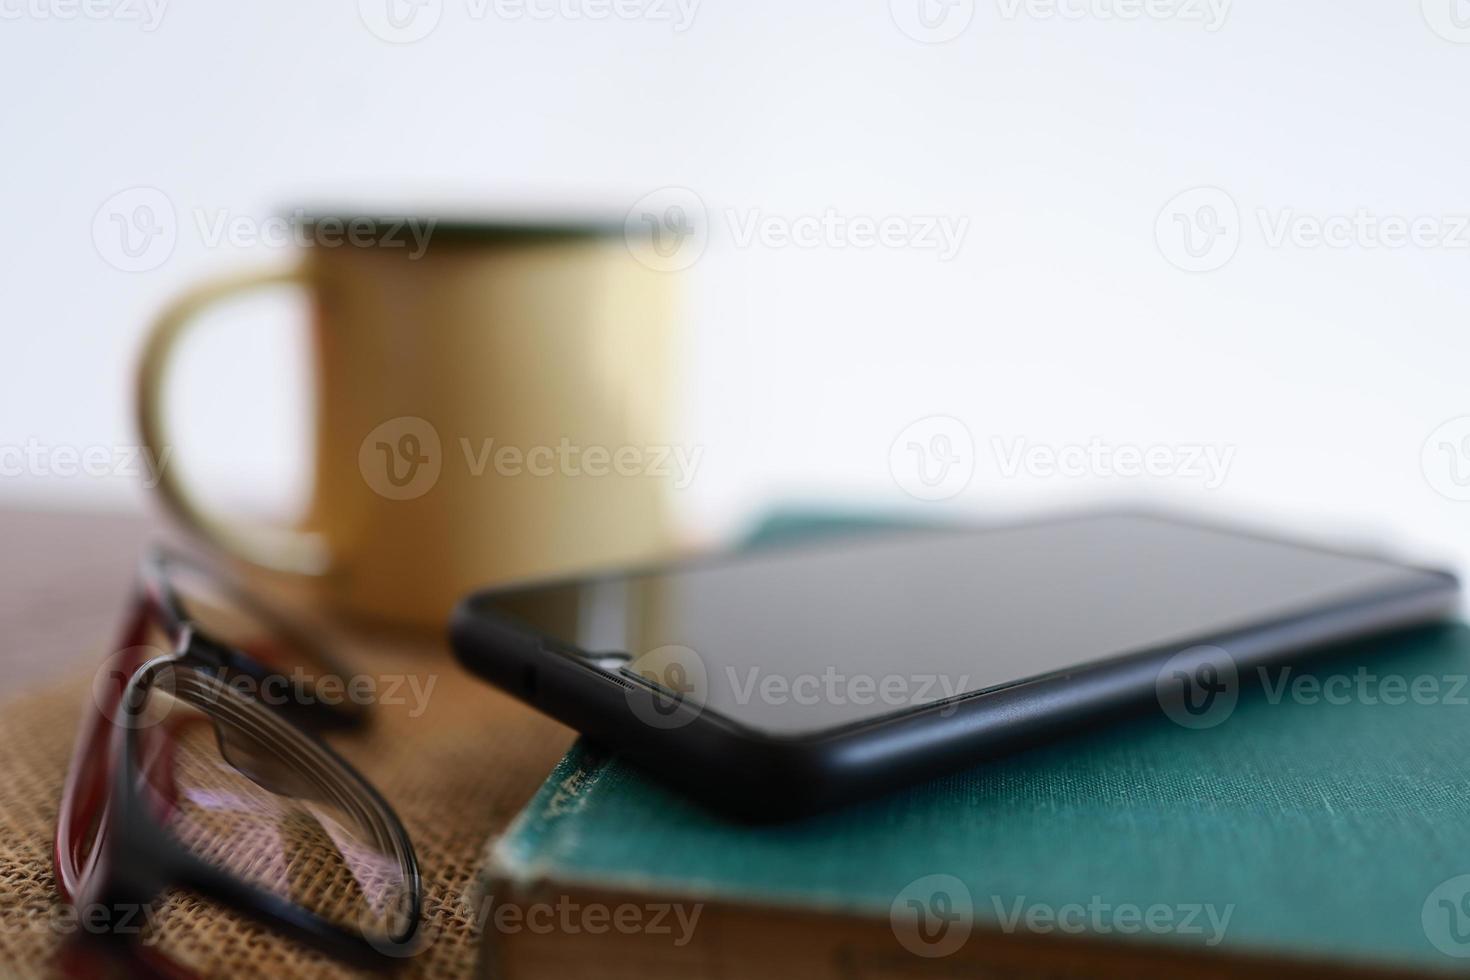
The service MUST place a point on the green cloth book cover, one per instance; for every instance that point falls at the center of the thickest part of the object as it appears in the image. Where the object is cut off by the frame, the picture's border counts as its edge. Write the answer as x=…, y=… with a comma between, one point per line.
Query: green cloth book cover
x=1324, y=817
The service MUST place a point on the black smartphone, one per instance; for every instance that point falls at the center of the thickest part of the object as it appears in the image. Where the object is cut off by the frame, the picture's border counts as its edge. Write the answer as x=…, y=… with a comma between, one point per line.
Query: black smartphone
x=785, y=680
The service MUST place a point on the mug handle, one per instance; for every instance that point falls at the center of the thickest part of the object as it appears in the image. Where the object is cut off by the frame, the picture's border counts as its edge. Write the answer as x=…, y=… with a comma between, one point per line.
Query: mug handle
x=278, y=549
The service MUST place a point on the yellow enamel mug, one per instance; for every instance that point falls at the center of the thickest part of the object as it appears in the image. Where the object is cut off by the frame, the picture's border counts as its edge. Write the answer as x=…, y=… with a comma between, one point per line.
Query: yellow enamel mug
x=492, y=405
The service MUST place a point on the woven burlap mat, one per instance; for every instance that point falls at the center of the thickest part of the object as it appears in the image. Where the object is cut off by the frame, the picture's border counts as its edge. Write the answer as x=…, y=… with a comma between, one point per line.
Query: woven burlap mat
x=456, y=772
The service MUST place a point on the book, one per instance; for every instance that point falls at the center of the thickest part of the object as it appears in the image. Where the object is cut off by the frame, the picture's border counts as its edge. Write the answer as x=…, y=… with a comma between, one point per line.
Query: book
x=1319, y=829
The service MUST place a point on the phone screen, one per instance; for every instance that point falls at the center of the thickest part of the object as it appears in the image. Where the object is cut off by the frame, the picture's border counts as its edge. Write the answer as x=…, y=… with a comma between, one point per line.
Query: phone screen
x=794, y=640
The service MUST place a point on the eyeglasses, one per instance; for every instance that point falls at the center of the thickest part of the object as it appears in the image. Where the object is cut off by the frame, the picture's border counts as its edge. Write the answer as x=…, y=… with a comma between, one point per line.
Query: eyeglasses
x=185, y=776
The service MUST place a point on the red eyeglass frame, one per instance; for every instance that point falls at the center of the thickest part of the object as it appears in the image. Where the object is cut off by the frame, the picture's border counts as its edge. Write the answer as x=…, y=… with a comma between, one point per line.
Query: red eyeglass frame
x=112, y=850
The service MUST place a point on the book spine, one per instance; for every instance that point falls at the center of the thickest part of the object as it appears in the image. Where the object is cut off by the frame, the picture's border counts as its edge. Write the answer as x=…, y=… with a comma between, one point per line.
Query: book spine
x=545, y=932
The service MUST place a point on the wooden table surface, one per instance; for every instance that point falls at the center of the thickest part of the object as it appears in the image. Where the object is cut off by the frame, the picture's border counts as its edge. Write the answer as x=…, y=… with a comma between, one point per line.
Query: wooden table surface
x=64, y=580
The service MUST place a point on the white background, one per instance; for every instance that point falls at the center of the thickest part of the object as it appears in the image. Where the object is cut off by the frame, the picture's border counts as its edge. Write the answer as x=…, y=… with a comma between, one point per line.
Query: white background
x=1059, y=139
